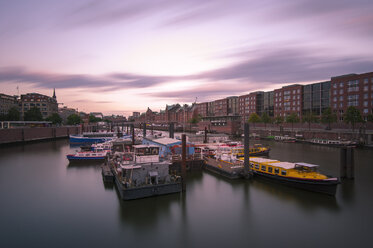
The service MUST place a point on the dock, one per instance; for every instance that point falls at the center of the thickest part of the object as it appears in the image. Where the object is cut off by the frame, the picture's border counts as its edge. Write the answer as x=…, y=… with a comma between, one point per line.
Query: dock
x=224, y=169
x=107, y=174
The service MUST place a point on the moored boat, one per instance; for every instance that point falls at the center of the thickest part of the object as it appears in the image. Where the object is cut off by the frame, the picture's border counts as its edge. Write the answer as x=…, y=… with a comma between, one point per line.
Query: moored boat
x=299, y=175
x=285, y=138
x=97, y=155
x=336, y=143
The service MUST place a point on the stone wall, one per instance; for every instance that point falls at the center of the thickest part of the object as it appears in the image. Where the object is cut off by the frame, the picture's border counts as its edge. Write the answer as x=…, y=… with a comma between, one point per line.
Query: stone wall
x=41, y=133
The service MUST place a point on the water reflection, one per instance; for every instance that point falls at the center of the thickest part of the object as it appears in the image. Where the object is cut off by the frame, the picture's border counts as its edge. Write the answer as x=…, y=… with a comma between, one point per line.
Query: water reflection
x=307, y=200
x=145, y=213
x=347, y=190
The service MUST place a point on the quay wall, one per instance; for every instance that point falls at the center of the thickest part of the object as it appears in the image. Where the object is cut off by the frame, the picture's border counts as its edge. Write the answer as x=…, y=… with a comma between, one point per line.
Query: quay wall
x=15, y=135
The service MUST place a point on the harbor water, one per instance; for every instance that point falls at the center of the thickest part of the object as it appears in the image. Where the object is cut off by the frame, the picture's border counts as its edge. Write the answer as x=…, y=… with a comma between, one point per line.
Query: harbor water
x=47, y=202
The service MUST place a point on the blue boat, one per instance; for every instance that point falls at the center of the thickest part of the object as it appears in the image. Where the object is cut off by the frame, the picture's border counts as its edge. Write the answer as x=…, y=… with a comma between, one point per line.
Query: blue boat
x=95, y=137
x=87, y=156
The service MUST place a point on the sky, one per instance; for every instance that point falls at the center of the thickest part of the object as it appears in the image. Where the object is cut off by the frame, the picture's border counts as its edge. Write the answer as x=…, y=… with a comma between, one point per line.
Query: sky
x=121, y=56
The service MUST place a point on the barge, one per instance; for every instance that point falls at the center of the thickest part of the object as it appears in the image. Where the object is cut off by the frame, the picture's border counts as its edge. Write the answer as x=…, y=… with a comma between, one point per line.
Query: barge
x=141, y=173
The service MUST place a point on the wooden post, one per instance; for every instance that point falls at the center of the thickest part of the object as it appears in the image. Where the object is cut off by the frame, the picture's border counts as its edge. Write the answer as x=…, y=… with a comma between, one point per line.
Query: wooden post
x=350, y=163
x=144, y=129
x=247, y=169
x=205, y=139
x=183, y=161
x=342, y=162
x=171, y=130
x=133, y=134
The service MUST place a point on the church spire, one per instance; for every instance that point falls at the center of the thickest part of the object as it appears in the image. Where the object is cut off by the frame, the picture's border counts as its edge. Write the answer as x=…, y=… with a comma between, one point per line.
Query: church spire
x=54, y=93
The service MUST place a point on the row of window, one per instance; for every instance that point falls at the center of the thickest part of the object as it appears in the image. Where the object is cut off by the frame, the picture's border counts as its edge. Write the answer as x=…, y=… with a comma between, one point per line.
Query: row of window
x=269, y=169
x=353, y=83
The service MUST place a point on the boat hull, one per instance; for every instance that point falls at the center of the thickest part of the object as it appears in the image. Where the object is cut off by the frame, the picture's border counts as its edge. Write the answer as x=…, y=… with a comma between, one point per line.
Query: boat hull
x=320, y=186
x=86, y=140
x=146, y=191
x=73, y=158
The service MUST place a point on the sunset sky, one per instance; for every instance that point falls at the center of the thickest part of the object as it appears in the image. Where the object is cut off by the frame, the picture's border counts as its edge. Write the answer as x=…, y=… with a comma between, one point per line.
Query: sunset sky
x=122, y=56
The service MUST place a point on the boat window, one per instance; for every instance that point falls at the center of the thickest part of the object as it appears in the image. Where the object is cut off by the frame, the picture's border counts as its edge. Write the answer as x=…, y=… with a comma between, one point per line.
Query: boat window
x=264, y=168
x=277, y=170
x=257, y=166
x=270, y=169
x=283, y=172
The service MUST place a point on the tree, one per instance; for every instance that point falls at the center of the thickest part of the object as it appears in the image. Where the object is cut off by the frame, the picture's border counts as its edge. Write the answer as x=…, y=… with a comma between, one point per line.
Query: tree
x=266, y=119
x=33, y=114
x=309, y=118
x=93, y=119
x=279, y=120
x=73, y=119
x=292, y=118
x=370, y=118
x=254, y=118
x=352, y=116
x=328, y=117
x=13, y=114
x=54, y=118
x=195, y=119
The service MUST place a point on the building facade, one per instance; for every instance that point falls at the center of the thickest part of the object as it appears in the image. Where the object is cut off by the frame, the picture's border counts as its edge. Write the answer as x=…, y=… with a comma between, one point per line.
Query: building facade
x=47, y=105
x=352, y=90
x=202, y=109
x=7, y=102
x=316, y=98
x=288, y=100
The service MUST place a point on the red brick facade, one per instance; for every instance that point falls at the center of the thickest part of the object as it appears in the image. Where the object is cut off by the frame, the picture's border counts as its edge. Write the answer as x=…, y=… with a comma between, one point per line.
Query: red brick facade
x=288, y=100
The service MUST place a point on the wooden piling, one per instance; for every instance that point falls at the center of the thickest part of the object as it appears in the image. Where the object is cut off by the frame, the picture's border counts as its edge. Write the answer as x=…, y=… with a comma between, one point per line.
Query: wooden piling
x=342, y=162
x=133, y=133
x=183, y=161
x=247, y=169
x=171, y=130
x=144, y=129
x=205, y=139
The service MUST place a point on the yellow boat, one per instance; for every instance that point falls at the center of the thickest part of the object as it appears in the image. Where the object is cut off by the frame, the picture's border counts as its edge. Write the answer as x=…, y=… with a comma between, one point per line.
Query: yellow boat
x=257, y=150
x=299, y=175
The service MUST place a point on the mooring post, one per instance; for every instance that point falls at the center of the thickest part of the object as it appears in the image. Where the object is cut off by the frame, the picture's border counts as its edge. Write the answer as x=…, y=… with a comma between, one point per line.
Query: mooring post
x=183, y=161
x=144, y=129
x=133, y=133
x=205, y=139
x=343, y=162
x=171, y=130
x=350, y=163
x=247, y=169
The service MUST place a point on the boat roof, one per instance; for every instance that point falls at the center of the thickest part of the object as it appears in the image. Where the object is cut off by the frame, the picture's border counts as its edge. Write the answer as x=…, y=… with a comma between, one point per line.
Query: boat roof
x=284, y=165
x=262, y=160
x=130, y=167
x=307, y=164
x=145, y=146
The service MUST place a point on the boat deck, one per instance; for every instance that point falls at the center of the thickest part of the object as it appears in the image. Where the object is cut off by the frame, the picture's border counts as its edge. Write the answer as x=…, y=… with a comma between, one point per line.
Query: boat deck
x=224, y=169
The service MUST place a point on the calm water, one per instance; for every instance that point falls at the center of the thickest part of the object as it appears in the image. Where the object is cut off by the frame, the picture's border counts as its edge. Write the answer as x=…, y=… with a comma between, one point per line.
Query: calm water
x=45, y=202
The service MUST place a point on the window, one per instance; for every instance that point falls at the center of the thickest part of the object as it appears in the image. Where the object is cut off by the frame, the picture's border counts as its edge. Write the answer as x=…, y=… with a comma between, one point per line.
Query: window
x=335, y=85
x=257, y=166
x=366, y=96
x=298, y=91
x=365, y=103
x=334, y=92
x=340, y=92
x=341, y=84
x=270, y=169
x=277, y=170
x=263, y=168
x=341, y=105
x=334, y=99
x=341, y=98
x=365, y=111
x=283, y=172
x=366, y=88
x=335, y=105
x=365, y=80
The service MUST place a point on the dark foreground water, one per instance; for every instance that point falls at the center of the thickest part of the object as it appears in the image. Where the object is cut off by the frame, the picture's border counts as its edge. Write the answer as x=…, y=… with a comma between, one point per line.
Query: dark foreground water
x=45, y=202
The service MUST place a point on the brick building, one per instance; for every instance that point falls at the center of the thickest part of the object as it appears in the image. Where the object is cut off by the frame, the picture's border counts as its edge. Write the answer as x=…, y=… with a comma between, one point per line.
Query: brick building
x=287, y=100
x=352, y=90
x=250, y=103
x=47, y=105
x=66, y=112
x=7, y=102
x=202, y=109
